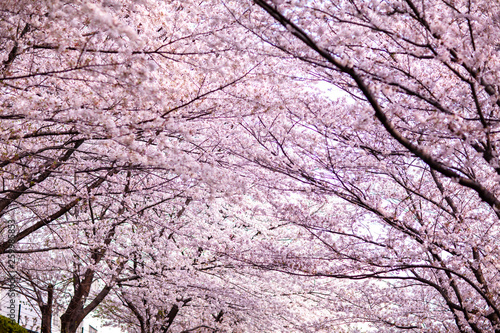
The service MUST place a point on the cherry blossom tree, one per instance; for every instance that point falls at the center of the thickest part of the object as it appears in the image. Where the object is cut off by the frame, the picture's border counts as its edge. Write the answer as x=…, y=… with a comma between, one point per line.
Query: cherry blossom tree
x=92, y=90
x=204, y=289
x=397, y=180
x=128, y=128
x=111, y=119
x=103, y=111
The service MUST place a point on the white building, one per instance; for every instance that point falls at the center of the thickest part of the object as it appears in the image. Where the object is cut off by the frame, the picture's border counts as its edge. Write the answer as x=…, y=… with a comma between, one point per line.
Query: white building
x=26, y=314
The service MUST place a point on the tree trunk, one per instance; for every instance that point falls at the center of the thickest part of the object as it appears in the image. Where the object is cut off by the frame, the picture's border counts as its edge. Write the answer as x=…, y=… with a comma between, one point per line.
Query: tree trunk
x=76, y=310
x=46, y=310
x=69, y=326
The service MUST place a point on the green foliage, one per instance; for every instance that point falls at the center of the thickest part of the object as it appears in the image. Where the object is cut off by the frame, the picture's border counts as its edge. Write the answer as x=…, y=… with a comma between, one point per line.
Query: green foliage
x=8, y=326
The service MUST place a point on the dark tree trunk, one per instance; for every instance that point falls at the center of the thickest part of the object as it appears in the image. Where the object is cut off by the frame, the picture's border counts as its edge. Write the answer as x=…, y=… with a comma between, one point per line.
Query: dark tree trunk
x=76, y=310
x=46, y=310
